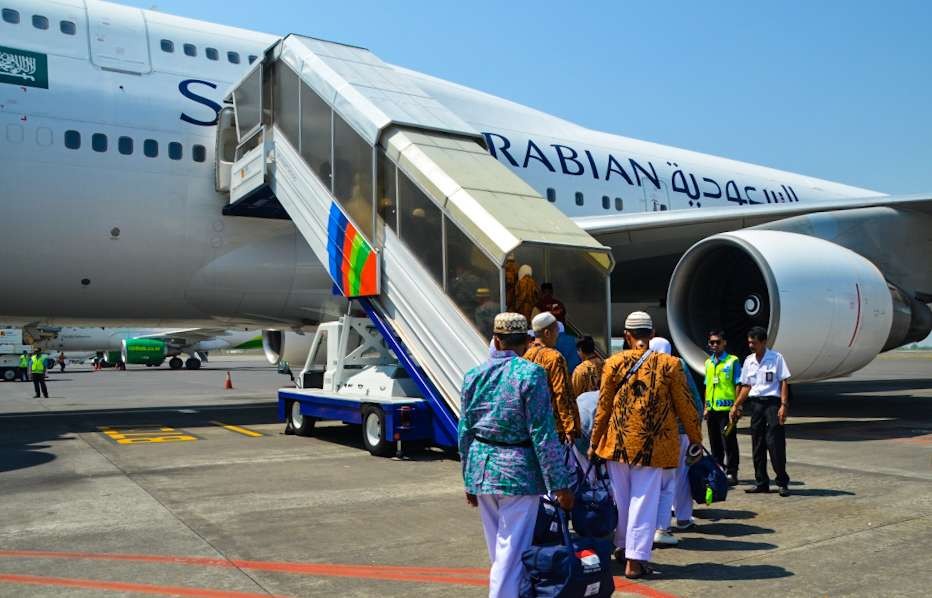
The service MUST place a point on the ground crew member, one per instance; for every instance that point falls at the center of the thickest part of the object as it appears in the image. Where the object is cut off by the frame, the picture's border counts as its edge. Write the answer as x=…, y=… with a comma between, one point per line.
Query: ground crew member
x=61, y=361
x=37, y=367
x=588, y=374
x=510, y=450
x=766, y=391
x=23, y=369
x=543, y=352
x=722, y=373
x=642, y=399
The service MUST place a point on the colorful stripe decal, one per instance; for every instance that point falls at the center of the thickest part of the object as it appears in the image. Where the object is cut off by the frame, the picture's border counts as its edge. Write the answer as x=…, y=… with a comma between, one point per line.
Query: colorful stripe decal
x=352, y=261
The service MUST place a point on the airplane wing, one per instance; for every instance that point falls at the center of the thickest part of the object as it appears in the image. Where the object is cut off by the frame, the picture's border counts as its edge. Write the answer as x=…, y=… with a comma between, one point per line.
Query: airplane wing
x=186, y=336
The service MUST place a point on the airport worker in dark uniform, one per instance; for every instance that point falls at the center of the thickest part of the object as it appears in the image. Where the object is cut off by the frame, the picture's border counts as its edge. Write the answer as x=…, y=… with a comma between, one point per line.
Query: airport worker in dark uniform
x=722, y=373
x=766, y=391
x=37, y=367
x=510, y=451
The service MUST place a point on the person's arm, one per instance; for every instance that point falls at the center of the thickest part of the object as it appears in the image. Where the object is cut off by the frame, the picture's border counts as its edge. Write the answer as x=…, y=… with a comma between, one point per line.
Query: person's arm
x=465, y=433
x=684, y=406
x=783, y=374
x=743, y=390
x=543, y=434
x=565, y=405
x=604, y=408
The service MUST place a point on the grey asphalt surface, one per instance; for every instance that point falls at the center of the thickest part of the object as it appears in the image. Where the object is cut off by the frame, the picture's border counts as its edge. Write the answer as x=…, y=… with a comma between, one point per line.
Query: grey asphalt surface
x=212, y=511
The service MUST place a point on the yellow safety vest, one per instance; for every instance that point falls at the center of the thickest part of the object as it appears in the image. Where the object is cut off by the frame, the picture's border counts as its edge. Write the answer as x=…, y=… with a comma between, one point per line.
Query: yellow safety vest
x=720, y=387
x=23, y=361
x=38, y=364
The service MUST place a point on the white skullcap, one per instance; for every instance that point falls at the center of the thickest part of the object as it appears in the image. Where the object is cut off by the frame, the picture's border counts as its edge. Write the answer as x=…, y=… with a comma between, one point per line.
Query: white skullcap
x=639, y=320
x=525, y=270
x=658, y=344
x=542, y=321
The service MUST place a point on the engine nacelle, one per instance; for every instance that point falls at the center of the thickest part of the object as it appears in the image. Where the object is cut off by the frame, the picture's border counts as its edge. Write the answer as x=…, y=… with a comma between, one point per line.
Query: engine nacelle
x=143, y=350
x=828, y=310
x=288, y=346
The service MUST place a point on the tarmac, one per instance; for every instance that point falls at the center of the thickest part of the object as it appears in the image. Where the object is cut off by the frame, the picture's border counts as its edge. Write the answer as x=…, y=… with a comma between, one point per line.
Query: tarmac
x=156, y=482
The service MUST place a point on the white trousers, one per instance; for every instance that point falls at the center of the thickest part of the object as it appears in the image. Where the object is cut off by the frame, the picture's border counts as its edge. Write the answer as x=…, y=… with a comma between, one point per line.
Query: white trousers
x=584, y=463
x=508, y=522
x=667, y=492
x=637, y=493
x=683, y=498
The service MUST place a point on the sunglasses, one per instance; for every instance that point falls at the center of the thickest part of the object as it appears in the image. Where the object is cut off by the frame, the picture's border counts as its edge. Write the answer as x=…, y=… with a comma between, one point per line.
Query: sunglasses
x=711, y=342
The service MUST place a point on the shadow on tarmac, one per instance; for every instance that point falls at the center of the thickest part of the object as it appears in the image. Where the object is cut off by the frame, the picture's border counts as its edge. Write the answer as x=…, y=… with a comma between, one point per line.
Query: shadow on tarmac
x=721, y=572
x=350, y=436
x=730, y=530
x=723, y=514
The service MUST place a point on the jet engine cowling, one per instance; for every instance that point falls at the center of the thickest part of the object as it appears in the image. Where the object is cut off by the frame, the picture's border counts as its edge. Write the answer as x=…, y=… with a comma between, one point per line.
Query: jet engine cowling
x=826, y=308
x=286, y=345
x=143, y=351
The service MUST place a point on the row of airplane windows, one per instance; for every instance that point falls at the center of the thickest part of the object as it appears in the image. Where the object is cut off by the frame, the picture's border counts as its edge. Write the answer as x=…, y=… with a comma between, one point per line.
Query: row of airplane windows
x=581, y=200
x=168, y=46
x=125, y=145
x=11, y=16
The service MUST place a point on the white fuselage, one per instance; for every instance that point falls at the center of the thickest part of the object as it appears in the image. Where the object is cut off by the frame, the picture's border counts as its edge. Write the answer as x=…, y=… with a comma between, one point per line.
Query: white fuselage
x=109, y=208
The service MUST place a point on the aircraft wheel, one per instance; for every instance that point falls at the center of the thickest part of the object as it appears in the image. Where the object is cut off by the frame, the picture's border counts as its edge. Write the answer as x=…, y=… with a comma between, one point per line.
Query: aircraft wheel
x=175, y=363
x=192, y=364
x=373, y=432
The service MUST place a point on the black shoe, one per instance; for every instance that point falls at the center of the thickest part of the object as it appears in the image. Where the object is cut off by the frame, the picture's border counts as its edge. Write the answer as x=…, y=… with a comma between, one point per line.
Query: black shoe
x=758, y=490
x=784, y=491
x=732, y=479
x=36, y=397
x=619, y=554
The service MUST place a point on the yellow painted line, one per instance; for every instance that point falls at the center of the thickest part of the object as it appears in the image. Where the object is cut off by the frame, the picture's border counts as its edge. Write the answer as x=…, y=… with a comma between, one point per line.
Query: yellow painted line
x=155, y=434
x=238, y=429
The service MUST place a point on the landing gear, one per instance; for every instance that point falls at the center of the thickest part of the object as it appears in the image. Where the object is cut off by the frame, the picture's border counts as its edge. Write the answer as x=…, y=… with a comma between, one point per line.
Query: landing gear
x=175, y=363
x=192, y=363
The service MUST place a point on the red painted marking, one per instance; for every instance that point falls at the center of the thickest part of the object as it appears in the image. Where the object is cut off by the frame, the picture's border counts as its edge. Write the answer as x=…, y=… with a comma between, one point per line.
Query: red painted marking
x=857, y=322
x=119, y=586
x=469, y=576
x=368, y=284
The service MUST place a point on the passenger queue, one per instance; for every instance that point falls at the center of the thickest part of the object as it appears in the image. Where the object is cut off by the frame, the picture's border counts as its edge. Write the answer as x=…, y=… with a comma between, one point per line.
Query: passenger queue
x=530, y=425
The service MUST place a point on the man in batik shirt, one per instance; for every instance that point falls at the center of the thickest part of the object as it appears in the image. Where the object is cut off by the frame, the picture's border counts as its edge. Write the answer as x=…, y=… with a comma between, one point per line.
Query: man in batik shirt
x=544, y=353
x=509, y=450
x=588, y=374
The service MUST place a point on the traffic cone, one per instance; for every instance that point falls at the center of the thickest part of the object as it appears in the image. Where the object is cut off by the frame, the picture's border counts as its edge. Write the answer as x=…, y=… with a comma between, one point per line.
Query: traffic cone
x=228, y=383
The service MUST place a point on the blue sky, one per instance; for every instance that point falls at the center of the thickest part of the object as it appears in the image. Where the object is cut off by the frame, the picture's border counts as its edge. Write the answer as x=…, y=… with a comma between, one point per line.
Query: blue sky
x=838, y=90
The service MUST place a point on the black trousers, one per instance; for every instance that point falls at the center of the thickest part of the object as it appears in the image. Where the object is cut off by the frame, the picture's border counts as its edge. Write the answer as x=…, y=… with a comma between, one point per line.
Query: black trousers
x=38, y=381
x=21, y=374
x=767, y=435
x=724, y=448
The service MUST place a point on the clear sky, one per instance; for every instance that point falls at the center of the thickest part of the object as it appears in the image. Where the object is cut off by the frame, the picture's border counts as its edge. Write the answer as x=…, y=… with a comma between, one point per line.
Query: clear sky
x=836, y=89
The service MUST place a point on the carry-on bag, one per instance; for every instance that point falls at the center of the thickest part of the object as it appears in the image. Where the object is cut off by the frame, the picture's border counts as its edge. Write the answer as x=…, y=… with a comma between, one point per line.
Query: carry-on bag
x=707, y=481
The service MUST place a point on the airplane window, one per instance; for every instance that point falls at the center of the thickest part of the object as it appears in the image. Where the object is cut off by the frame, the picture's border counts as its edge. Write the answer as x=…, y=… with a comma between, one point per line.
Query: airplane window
x=252, y=58
x=168, y=45
x=199, y=153
x=190, y=50
x=67, y=27
x=11, y=16
x=551, y=195
x=211, y=53
x=174, y=150
x=72, y=139
x=40, y=22
x=99, y=142
x=579, y=198
x=619, y=204
x=233, y=57
x=125, y=145
x=606, y=202
x=150, y=148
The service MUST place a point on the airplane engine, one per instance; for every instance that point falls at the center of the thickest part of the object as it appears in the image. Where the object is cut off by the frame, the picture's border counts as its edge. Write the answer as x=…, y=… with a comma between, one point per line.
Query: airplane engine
x=288, y=346
x=143, y=351
x=827, y=309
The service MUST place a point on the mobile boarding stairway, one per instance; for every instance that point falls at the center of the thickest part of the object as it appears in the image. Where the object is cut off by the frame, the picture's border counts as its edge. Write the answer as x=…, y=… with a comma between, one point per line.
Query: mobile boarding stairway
x=416, y=224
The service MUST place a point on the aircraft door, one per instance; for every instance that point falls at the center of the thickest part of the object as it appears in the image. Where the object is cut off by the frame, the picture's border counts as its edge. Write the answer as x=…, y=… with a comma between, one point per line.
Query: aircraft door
x=656, y=200
x=118, y=38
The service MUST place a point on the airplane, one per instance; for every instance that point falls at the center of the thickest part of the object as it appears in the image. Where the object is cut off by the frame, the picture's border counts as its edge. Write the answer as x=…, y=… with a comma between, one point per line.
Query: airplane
x=111, y=215
x=145, y=346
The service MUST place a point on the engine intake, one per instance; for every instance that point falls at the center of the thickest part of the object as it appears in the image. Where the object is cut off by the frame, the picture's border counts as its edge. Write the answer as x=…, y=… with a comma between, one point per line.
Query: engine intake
x=143, y=350
x=827, y=309
x=285, y=345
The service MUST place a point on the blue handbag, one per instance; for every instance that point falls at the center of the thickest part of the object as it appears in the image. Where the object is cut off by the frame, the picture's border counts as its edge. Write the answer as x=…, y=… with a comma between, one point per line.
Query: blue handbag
x=594, y=513
x=707, y=481
x=547, y=526
x=572, y=569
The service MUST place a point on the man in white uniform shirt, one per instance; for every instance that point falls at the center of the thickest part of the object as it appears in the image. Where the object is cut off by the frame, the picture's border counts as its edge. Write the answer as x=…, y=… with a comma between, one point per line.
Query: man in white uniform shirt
x=765, y=389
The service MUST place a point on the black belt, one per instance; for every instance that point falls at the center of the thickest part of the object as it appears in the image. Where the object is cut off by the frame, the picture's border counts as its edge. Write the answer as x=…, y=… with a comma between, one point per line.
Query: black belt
x=766, y=398
x=522, y=444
